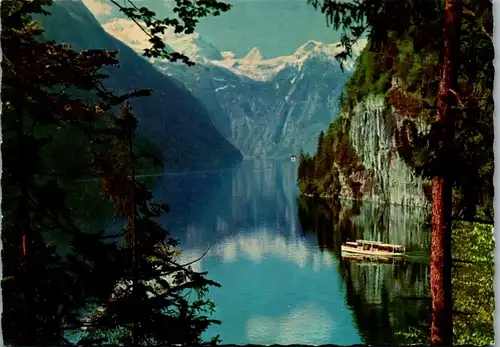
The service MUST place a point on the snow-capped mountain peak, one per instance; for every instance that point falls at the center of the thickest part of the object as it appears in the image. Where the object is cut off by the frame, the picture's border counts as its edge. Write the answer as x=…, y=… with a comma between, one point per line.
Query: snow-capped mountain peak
x=312, y=47
x=254, y=55
x=253, y=65
x=307, y=48
x=228, y=55
x=191, y=45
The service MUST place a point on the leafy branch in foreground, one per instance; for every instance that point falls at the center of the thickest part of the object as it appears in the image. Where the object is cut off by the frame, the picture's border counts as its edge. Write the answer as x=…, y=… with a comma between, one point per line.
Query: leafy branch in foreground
x=152, y=303
x=43, y=292
x=188, y=14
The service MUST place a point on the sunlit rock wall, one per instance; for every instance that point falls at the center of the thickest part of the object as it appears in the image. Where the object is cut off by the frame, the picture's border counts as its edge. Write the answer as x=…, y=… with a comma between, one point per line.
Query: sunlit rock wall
x=371, y=135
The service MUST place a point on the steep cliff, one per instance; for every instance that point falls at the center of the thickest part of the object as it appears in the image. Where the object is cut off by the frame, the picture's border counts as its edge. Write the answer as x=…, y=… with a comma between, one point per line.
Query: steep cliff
x=361, y=155
x=365, y=158
x=384, y=144
x=386, y=177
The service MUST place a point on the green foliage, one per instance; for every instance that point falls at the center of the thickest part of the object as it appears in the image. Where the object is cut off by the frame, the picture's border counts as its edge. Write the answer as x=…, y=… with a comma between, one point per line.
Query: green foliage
x=382, y=21
x=321, y=152
x=473, y=284
x=151, y=303
x=362, y=80
x=412, y=335
x=473, y=289
x=57, y=125
x=402, y=62
x=395, y=59
x=408, y=53
x=41, y=292
x=187, y=14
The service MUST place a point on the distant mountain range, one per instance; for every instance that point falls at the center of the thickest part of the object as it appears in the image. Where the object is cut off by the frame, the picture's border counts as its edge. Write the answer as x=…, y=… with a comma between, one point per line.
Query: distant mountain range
x=176, y=121
x=265, y=107
x=222, y=108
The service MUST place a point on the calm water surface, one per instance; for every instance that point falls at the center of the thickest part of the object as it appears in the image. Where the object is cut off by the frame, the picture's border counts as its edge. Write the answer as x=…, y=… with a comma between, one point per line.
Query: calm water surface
x=278, y=258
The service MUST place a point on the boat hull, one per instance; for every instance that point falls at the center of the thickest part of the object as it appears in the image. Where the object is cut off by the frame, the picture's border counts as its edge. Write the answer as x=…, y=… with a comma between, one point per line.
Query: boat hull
x=374, y=253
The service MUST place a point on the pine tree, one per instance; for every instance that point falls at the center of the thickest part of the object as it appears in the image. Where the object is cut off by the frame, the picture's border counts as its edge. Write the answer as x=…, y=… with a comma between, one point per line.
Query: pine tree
x=422, y=22
x=442, y=324
x=44, y=293
x=40, y=290
x=320, y=161
x=151, y=304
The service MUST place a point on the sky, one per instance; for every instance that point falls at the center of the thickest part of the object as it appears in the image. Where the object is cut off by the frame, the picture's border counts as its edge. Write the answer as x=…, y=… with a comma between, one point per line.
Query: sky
x=276, y=27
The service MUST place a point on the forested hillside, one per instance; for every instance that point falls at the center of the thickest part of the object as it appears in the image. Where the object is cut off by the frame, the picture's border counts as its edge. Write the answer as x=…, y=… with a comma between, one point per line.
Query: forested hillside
x=172, y=118
x=416, y=128
x=379, y=148
x=60, y=124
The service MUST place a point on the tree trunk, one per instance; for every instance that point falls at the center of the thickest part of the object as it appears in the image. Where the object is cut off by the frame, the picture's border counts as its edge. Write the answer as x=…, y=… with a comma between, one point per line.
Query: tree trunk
x=133, y=236
x=442, y=321
x=23, y=224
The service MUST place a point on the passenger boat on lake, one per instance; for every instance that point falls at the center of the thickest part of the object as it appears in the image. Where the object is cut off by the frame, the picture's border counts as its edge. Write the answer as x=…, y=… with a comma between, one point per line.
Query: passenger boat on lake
x=372, y=248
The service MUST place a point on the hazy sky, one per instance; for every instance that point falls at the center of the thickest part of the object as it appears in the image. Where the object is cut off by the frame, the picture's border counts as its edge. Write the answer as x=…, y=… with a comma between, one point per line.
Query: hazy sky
x=276, y=27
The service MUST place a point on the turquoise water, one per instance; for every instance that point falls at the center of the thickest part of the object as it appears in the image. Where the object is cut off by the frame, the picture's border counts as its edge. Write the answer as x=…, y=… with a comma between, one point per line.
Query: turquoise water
x=278, y=259
x=276, y=290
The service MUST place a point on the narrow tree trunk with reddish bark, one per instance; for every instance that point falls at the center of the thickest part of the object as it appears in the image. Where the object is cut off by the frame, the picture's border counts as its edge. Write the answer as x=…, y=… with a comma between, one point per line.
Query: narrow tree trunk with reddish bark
x=442, y=320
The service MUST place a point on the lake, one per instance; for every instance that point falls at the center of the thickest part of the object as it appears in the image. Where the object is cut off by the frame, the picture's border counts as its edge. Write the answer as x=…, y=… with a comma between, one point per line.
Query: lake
x=279, y=262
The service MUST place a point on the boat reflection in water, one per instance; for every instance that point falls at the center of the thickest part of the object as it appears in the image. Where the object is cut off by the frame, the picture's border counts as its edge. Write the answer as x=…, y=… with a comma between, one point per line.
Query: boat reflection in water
x=389, y=295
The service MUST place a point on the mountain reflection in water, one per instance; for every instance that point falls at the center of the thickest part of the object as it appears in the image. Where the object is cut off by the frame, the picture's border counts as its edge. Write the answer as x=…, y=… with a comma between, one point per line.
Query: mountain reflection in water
x=387, y=298
x=278, y=258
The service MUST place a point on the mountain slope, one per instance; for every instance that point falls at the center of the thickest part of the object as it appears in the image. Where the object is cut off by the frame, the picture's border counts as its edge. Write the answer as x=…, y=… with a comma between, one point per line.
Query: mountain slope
x=272, y=107
x=384, y=142
x=176, y=121
x=265, y=107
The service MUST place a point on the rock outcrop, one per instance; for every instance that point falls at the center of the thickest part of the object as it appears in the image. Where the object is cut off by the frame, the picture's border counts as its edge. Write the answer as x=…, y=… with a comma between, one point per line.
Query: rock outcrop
x=386, y=177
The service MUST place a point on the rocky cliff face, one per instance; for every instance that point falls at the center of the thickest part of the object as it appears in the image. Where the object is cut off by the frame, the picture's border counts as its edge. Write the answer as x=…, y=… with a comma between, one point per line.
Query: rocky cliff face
x=276, y=116
x=360, y=157
x=265, y=107
x=386, y=177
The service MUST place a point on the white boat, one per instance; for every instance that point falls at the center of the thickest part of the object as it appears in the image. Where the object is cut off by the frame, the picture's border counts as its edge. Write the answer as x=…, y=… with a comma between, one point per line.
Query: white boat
x=373, y=248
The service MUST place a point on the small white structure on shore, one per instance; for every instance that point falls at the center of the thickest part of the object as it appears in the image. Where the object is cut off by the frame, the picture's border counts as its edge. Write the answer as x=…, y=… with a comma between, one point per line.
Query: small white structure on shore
x=293, y=158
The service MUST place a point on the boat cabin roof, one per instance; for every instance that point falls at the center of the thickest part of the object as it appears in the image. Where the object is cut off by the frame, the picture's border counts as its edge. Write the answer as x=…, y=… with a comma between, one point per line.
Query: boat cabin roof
x=389, y=245
x=364, y=242
x=378, y=243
